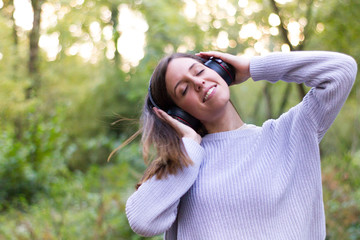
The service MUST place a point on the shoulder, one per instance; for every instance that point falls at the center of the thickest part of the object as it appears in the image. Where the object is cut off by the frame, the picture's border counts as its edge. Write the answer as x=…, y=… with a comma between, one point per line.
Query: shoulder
x=292, y=123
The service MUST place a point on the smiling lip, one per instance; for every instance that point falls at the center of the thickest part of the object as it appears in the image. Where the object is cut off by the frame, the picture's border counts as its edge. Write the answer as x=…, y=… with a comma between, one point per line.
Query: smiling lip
x=209, y=93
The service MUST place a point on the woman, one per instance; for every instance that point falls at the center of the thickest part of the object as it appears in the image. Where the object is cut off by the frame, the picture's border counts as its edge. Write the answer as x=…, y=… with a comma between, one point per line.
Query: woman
x=228, y=179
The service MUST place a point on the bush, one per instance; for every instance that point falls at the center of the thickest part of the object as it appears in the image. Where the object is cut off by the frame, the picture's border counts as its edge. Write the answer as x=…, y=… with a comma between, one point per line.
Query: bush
x=341, y=186
x=80, y=206
x=30, y=163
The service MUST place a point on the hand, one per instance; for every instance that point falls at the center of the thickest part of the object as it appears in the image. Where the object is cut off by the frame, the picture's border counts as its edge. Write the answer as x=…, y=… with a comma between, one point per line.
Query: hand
x=240, y=63
x=182, y=129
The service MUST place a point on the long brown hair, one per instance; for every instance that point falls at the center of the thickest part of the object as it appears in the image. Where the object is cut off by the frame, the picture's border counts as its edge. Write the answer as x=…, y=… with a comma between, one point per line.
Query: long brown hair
x=170, y=156
x=170, y=153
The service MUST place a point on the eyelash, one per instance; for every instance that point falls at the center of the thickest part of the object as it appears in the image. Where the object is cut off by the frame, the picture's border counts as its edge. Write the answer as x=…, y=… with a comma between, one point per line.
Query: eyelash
x=200, y=72
x=185, y=90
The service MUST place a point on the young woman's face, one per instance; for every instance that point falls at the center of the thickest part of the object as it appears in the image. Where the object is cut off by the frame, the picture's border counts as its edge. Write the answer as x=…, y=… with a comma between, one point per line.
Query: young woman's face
x=196, y=89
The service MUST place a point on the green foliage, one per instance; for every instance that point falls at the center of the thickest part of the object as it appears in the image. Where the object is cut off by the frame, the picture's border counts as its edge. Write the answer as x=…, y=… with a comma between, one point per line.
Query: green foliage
x=29, y=163
x=55, y=182
x=342, y=195
x=79, y=206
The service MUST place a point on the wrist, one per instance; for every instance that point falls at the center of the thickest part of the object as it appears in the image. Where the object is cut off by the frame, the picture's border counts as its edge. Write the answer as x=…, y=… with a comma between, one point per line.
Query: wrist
x=196, y=137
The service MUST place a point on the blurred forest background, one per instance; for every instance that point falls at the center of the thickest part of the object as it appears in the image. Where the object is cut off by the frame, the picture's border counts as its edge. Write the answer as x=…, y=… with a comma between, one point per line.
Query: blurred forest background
x=70, y=68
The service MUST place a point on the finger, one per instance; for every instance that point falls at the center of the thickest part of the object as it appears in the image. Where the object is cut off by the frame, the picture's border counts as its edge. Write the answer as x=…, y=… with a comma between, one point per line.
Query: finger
x=208, y=54
x=182, y=129
x=224, y=56
x=179, y=127
x=167, y=118
x=157, y=113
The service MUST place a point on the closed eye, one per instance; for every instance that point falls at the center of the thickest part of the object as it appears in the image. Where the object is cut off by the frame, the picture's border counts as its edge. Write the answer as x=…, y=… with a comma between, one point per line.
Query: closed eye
x=200, y=72
x=185, y=90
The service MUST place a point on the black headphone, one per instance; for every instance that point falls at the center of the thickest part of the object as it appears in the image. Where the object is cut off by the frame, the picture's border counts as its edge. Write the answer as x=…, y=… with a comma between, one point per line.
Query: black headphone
x=225, y=70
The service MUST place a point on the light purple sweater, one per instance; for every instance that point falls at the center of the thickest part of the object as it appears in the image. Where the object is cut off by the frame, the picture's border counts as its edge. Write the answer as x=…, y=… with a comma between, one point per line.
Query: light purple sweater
x=254, y=183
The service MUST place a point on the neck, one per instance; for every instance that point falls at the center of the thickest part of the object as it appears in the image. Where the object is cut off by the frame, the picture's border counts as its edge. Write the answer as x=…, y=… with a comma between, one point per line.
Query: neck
x=228, y=120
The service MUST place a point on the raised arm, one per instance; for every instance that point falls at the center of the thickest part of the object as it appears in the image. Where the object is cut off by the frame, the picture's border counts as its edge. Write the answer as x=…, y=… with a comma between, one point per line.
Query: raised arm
x=331, y=76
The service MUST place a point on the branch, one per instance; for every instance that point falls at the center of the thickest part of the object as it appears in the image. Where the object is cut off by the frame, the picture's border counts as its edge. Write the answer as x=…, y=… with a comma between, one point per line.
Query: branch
x=307, y=27
x=284, y=99
x=268, y=99
x=283, y=29
x=285, y=36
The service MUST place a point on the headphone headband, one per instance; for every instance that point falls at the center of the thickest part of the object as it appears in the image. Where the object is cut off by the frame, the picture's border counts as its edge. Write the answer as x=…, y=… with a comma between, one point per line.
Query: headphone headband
x=150, y=96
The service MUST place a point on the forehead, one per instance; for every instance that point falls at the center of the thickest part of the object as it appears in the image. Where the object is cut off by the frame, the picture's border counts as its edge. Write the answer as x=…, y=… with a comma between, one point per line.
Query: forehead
x=178, y=68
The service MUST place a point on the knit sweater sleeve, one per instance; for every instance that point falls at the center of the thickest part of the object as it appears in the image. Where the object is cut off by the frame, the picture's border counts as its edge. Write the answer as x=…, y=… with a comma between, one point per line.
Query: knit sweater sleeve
x=331, y=76
x=152, y=209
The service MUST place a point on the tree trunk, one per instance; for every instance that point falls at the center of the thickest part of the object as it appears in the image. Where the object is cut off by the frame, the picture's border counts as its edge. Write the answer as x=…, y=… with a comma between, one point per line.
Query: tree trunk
x=10, y=9
x=116, y=35
x=268, y=100
x=10, y=5
x=284, y=99
x=285, y=37
x=33, y=70
x=34, y=50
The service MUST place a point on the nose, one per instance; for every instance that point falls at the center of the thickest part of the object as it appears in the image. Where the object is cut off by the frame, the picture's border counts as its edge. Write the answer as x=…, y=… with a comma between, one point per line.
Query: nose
x=199, y=84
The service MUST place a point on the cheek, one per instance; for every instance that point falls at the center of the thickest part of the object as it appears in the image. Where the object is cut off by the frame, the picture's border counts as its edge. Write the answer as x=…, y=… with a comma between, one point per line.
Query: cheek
x=193, y=105
x=190, y=105
x=210, y=110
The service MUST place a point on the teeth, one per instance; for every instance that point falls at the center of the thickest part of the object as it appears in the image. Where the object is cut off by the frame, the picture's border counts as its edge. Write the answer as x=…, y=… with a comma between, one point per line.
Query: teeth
x=208, y=93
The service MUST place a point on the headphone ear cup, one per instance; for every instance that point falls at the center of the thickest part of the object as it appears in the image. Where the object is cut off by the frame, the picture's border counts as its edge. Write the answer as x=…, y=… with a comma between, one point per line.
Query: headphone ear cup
x=184, y=117
x=226, y=71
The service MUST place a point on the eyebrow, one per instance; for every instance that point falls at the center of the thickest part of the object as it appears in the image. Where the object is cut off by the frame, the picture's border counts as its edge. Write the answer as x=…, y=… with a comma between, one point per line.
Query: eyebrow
x=178, y=83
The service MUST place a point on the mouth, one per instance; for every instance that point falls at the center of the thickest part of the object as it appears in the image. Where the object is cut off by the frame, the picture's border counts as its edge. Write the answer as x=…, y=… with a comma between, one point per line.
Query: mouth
x=210, y=92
